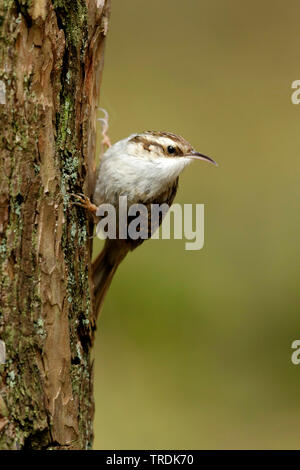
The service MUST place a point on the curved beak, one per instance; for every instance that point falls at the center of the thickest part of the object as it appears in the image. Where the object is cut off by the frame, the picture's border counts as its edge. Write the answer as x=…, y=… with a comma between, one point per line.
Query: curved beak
x=200, y=156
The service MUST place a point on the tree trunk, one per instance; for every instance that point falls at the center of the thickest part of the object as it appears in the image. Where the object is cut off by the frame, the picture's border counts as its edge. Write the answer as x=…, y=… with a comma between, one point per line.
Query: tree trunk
x=51, y=59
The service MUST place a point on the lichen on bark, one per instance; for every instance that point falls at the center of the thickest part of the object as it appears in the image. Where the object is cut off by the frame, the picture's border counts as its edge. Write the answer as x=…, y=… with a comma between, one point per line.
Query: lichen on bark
x=51, y=59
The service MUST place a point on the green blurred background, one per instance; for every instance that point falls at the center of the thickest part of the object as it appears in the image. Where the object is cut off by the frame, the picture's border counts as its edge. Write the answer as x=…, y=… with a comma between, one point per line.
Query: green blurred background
x=193, y=349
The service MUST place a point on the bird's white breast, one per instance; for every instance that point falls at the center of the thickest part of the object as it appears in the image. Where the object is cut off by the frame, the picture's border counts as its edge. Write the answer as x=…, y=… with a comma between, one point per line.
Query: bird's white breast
x=137, y=177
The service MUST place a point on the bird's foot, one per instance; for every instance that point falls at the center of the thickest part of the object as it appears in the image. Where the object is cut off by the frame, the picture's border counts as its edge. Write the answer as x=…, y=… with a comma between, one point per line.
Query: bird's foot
x=105, y=139
x=84, y=201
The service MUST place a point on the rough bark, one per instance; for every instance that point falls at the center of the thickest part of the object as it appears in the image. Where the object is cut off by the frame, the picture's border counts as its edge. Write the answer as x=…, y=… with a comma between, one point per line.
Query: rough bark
x=51, y=58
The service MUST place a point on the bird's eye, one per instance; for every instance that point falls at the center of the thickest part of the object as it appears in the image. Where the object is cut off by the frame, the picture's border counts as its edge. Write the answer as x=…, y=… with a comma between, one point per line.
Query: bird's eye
x=171, y=149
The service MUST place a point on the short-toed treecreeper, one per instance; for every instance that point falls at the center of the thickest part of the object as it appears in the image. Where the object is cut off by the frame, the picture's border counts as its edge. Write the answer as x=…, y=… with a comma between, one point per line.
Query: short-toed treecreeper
x=145, y=168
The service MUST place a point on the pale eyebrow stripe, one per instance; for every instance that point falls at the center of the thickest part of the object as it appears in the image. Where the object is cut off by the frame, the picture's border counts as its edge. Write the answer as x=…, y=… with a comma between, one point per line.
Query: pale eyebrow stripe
x=147, y=143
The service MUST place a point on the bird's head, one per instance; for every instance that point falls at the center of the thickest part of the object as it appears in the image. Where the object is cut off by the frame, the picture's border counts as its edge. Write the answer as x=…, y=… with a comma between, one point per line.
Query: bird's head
x=156, y=145
x=144, y=164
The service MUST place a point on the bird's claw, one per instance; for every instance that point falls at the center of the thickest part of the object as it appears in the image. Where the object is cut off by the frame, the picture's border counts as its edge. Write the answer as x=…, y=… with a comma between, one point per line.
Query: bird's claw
x=84, y=201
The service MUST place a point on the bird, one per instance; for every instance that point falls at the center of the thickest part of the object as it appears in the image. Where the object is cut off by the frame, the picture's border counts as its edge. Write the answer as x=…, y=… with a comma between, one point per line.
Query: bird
x=144, y=167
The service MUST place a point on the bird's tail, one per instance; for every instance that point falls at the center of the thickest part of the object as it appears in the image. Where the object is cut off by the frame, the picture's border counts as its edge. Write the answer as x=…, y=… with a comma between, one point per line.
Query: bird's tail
x=104, y=268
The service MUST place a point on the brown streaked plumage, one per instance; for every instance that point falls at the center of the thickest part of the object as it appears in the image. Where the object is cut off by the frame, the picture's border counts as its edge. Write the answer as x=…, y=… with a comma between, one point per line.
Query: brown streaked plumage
x=114, y=251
